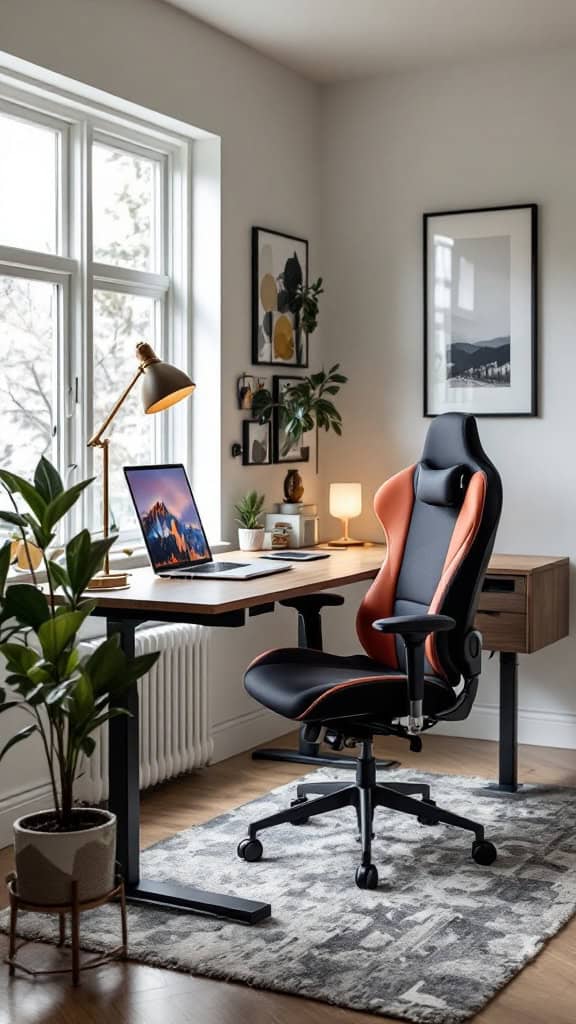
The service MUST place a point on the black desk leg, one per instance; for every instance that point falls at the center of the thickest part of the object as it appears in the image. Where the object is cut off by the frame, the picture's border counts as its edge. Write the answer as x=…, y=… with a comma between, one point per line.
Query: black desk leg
x=124, y=802
x=508, y=747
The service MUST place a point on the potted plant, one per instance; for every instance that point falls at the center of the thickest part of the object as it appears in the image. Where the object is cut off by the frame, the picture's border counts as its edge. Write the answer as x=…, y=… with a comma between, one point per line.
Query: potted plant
x=248, y=512
x=64, y=697
x=304, y=406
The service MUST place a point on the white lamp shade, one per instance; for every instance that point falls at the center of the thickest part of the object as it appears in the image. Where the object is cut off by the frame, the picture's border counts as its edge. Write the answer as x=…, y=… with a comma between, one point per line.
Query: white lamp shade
x=345, y=500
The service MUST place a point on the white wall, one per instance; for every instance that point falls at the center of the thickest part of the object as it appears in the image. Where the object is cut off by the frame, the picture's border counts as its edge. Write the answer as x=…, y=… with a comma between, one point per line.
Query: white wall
x=393, y=148
x=267, y=117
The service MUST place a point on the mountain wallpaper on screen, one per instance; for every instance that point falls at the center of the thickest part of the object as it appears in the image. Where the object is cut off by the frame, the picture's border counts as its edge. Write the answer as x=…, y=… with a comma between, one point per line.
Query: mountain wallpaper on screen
x=479, y=364
x=171, y=541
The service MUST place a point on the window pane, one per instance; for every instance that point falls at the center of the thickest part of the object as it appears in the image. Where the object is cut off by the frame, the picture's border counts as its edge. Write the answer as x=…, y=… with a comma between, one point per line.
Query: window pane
x=28, y=185
x=124, y=208
x=120, y=321
x=28, y=343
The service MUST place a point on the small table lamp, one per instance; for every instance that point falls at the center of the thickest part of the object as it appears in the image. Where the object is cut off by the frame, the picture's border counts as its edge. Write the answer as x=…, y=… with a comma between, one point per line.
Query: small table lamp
x=345, y=504
x=163, y=386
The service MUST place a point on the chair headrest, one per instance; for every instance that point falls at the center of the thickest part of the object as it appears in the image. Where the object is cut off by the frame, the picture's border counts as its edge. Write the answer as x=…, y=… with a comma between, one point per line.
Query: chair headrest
x=442, y=486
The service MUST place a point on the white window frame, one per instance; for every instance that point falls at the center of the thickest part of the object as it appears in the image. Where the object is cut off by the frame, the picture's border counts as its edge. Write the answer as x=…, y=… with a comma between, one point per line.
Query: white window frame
x=80, y=124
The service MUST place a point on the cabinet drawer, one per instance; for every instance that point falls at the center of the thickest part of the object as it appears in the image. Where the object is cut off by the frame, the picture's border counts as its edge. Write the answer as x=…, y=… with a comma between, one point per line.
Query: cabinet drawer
x=502, y=631
x=503, y=594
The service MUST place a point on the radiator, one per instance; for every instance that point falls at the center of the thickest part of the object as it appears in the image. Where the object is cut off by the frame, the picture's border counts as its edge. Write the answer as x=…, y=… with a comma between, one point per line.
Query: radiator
x=174, y=718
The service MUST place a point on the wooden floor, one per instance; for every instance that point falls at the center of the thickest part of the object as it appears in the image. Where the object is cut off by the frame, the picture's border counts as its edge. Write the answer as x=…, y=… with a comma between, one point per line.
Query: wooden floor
x=544, y=993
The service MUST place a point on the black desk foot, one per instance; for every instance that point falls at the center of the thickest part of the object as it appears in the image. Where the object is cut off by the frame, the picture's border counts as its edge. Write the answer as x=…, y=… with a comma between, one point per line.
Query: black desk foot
x=320, y=760
x=170, y=896
x=508, y=746
x=498, y=787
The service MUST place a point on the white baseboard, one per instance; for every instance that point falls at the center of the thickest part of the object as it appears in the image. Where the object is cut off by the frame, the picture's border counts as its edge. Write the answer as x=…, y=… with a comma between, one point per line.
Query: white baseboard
x=235, y=735
x=535, y=727
x=24, y=801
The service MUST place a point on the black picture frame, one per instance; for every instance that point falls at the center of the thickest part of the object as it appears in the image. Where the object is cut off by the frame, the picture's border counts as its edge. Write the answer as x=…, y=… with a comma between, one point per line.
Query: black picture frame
x=300, y=338
x=530, y=401
x=304, y=451
x=249, y=428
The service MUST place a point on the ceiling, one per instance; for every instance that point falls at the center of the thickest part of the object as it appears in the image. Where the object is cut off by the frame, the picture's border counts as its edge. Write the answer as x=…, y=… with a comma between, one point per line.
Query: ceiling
x=328, y=40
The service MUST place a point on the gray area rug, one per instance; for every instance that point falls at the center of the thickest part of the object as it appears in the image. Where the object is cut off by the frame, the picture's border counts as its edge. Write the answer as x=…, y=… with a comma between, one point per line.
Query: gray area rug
x=432, y=944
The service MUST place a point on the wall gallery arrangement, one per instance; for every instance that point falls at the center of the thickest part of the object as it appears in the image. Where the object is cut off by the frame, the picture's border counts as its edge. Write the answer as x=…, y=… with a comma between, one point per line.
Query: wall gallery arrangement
x=480, y=322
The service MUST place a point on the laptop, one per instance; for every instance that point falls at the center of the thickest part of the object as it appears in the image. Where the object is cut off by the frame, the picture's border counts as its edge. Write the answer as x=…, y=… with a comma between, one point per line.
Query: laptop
x=173, y=531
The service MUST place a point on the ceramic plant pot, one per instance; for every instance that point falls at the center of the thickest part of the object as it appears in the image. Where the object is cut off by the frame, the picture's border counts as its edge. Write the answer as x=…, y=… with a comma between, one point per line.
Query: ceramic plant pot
x=251, y=540
x=48, y=862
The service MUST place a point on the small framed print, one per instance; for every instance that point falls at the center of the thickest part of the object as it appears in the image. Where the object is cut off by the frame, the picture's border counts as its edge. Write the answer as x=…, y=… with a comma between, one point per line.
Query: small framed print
x=296, y=452
x=256, y=443
x=246, y=387
x=279, y=268
x=480, y=311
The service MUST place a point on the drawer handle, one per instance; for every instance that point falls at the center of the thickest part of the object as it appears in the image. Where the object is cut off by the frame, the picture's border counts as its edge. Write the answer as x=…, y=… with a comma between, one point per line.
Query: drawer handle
x=493, y=586
x=494, y=614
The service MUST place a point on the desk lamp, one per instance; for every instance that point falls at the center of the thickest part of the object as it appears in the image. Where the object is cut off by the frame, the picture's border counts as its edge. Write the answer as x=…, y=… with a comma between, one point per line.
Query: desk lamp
x=345, y=504
x=163, y=385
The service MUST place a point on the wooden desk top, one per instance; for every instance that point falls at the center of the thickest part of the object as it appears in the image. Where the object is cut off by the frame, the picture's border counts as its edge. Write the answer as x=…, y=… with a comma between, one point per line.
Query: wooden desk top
x=149, y=593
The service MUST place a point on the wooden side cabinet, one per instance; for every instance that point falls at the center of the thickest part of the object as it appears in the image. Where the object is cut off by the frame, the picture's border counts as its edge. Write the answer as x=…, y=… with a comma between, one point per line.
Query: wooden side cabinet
x=524, y=606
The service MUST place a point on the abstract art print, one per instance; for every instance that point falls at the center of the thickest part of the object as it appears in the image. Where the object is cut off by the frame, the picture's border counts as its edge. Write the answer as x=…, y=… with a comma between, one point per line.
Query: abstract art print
x=480, y=311
x=256, y=443
x=279, y=268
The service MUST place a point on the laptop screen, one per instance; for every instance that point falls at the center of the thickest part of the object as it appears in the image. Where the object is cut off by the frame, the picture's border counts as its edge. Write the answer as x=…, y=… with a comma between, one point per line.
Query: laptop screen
x=168, y=516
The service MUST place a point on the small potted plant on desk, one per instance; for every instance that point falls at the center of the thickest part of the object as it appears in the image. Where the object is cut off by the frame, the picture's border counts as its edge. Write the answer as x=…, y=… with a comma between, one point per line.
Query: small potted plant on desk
x=248, y=512
x=64, y=697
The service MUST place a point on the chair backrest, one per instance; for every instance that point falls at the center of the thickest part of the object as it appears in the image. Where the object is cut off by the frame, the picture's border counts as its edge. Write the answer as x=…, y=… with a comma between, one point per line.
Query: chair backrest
x=440, y=518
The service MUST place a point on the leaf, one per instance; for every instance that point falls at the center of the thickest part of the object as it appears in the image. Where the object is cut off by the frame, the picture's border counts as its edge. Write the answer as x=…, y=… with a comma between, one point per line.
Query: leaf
x=56, y=633
x=17, y=484
x=140, y=665
x=84, y=557
x=47, y=480
x=4, y=565
x=7, y=705
x=60, y=505
x=42, y=535
x=23, y=734
x=26, y=604
x=58, y=575
x=14, y=518
x=105, y=664
x=19, y=658
x=88, y=746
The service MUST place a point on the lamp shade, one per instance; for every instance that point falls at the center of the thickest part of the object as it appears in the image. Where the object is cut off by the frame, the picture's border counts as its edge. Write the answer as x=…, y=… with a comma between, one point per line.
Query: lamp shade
x=345, y=500
x=163, y=384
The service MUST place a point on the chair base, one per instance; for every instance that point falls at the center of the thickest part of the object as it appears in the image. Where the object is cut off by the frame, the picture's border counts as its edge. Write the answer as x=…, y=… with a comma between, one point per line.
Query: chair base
x=365, y=795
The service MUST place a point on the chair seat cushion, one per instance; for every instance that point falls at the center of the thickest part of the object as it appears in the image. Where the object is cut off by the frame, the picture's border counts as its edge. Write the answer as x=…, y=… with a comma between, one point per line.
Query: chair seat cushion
x=310, y=686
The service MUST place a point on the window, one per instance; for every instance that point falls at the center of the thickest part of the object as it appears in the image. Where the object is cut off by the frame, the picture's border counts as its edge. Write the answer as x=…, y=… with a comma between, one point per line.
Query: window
x=94, y=257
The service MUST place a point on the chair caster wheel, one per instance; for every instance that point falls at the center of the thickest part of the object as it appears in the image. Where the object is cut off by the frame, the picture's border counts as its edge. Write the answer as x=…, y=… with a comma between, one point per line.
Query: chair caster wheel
x=296, y=803
x=250, y=850
x=415, y=744
x=428, y=821
x=484, y=852
x=366, y=876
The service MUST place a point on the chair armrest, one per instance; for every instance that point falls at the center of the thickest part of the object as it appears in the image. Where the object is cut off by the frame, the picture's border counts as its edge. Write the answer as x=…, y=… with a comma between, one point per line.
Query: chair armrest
x=414, y=629
x=414, y=625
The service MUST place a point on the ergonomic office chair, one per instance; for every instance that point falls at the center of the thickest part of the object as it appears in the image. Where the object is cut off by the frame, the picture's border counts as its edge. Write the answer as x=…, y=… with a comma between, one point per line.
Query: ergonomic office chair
x=423, y=656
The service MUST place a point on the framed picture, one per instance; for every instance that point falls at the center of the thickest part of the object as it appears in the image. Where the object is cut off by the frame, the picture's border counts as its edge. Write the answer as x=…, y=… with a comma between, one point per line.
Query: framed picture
x=256, y=443
x=480, y=311
x=279, y=266
x=246, y=387
x=296, y=452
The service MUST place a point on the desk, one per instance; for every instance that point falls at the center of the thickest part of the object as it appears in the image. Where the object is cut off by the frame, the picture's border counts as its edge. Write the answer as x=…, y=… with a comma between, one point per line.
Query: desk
x=523, y=607
x=208, y=603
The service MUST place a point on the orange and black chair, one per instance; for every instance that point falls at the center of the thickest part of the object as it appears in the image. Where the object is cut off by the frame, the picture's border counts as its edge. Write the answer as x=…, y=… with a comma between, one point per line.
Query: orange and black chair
x=423, y=655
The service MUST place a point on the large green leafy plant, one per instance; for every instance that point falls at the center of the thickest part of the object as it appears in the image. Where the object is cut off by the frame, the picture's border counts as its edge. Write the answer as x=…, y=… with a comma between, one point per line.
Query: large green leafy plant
x=65, y=697
x=304, y=406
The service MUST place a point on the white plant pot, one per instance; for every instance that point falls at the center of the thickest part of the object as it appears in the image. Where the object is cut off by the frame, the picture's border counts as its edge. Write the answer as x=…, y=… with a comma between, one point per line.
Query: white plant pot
x=48, y=862
x=251, y=540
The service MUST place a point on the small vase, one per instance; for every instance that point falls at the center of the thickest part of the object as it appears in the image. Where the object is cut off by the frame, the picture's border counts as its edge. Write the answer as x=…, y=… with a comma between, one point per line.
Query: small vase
x=293, y=486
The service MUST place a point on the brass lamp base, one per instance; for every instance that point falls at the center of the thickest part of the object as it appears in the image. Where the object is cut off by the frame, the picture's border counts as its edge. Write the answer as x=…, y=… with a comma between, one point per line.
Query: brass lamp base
x=109, y=581
x=345, y=542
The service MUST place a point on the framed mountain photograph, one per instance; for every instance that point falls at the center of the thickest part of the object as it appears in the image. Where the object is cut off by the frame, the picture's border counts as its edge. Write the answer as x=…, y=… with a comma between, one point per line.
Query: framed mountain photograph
x=480, y=322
